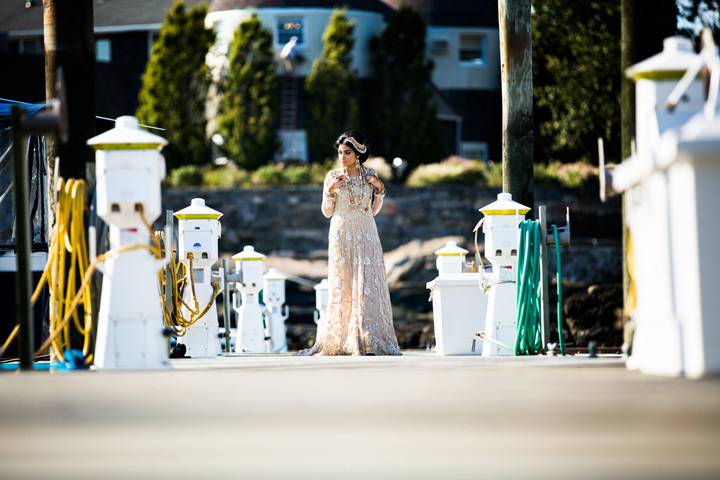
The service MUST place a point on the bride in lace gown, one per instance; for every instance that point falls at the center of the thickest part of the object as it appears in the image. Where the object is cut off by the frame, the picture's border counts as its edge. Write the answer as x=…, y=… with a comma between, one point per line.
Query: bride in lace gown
x=359, y=314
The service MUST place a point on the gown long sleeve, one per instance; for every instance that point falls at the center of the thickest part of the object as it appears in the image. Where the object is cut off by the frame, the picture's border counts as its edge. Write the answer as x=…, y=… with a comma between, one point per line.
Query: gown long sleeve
x=328, y=200
x=358, y=319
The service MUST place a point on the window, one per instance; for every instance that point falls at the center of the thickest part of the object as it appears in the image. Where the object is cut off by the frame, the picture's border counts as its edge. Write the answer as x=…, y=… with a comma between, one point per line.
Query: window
x=472, y=49
x=103, y=50
x=439, y=47
x=475, y=151
x=29, y=46
x=290, y=27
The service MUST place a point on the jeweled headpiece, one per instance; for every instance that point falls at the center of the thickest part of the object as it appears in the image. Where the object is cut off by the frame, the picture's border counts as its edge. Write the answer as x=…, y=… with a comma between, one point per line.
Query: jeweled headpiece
x=358, y=146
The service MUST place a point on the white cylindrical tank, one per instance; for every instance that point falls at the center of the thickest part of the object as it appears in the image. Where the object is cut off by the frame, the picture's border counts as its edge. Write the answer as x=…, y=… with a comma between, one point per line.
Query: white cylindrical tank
x=199, y=232
x=129, y=169
x=307, y=24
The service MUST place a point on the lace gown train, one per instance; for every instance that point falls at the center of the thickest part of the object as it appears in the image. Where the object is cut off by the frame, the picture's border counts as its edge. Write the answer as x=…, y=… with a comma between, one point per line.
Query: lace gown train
x=359, y=313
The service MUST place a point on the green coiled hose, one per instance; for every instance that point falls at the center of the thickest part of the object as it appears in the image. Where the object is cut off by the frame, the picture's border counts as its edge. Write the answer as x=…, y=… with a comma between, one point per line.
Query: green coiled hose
x=528, y=333
x=528, y=336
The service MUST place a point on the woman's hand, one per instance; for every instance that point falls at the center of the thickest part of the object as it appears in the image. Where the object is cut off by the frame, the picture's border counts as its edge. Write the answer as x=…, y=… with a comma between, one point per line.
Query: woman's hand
x=376, y=182
x=337, y=182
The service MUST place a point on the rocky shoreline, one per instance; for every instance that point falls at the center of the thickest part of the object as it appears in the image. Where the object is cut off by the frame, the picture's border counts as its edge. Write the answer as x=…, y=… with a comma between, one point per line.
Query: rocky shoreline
x=591, y=308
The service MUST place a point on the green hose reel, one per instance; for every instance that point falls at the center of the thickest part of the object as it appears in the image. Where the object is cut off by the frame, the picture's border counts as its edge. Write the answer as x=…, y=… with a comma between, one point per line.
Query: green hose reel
x=529, y=330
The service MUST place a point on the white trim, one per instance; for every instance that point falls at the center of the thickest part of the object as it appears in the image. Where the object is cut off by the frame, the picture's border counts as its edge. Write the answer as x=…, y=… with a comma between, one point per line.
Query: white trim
x=149, y=35
x=451, y=118
x=462, y=29
x=466, y=64
x=20, y=34
x=294, y=11
x=139, y=27
x=38, y=260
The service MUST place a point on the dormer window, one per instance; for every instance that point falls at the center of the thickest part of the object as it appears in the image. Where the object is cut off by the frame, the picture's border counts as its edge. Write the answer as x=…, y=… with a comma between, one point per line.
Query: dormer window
x=289, y=27
x=473, y=49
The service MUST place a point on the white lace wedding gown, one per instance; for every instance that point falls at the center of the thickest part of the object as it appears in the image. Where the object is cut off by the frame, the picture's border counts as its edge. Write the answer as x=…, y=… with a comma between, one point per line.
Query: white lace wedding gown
x=359, y=314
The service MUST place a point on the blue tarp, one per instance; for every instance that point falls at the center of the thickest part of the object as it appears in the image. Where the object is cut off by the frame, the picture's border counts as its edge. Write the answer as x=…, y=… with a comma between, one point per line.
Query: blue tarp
x=6, y=107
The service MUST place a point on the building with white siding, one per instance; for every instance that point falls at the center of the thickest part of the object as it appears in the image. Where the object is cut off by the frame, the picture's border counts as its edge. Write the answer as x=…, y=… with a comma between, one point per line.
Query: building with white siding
x=462, y=40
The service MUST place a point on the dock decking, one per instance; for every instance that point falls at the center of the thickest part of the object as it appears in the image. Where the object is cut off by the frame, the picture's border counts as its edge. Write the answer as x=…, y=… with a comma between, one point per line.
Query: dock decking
x=417, y=416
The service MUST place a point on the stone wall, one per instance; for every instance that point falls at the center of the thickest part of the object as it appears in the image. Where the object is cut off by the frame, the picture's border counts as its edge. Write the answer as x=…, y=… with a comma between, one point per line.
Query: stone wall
x=286, y=224
x=287, y=221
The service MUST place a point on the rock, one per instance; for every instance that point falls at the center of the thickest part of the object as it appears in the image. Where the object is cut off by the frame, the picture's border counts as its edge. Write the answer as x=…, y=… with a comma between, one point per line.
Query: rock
x=594, y=314
x=300, y=336
x=414, y=262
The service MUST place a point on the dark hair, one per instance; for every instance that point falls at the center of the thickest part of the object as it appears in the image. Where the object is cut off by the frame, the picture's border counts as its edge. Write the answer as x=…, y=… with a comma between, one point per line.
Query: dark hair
x=359, y=138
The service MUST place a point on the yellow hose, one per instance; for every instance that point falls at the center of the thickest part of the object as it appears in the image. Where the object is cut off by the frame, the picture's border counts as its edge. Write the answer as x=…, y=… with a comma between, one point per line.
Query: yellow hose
x=65, y=295
x=182, y=323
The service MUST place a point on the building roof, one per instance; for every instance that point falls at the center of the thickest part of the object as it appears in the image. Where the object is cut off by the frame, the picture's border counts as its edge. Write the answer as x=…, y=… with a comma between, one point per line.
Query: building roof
x=367, y=5
x=453, y=13
x=15, y=17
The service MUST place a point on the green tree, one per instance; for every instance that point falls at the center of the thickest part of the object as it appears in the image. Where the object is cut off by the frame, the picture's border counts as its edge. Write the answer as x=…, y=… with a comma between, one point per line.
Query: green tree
x=332, y=87
x=576, y=60
x=175, y=84
x=403, y=120
x=249, y=97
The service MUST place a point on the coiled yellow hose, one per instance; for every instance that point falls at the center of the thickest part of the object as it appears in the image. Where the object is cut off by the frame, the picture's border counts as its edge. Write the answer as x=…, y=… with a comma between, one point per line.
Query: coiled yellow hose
x=68, y=262
x=68, y=252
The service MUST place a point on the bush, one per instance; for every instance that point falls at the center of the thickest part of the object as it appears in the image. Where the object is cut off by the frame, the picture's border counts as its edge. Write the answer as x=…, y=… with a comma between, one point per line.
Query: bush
x=318, y=171
x=493, y=174
x=459, y=171
x=383, y=169
x=578, y=174
x=227, y=177
x=297, y=175
x=186, y=176
x=454, y=170
x=268, y=176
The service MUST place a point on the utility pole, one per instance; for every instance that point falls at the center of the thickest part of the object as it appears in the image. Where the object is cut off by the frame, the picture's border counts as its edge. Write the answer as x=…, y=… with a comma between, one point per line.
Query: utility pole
x=70, y=44
x=627, y=88
x=517, y=99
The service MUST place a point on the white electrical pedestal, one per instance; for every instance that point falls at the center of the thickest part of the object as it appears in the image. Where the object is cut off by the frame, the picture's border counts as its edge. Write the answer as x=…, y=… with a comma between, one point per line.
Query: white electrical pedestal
x=199, y=232
x=656, y=343
x=671, y=194
x=458, y=304
x=251, y=334
x=275, y=308
x=321, y=303
x=129, y=169
x=695, y=193
x=501, y=230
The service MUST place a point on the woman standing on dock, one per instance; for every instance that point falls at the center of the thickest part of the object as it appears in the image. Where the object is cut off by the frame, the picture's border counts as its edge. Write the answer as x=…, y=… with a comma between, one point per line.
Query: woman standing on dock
x=359, y=314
